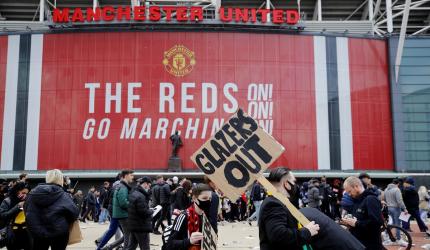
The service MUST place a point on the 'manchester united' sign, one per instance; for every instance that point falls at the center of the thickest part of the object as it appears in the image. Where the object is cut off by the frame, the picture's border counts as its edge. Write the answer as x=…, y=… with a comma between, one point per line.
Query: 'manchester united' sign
x=180, y=14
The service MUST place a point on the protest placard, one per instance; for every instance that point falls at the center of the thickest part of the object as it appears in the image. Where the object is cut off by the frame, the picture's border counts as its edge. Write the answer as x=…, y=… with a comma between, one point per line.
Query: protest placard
x=237, y=155
x=210, y=238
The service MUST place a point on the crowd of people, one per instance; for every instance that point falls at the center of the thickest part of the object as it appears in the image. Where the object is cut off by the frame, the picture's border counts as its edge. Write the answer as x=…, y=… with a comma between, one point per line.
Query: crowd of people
x=40, y=217
x=37, y=219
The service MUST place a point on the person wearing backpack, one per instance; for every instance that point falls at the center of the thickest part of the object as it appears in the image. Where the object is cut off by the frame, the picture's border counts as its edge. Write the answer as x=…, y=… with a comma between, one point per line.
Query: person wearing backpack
x=186, y=231
x=12, y=214
x=140, y=215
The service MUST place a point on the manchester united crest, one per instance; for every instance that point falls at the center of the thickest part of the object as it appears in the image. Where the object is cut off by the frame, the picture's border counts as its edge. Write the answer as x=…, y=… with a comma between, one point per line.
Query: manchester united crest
x=179, y=60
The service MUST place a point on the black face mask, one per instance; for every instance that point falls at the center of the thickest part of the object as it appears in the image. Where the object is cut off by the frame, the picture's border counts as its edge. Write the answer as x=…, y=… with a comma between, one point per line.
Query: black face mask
x=205, y=206
x=293, y=191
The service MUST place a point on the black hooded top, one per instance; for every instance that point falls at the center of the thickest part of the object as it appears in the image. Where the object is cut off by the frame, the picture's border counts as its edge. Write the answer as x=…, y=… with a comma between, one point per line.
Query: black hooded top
x=367, y=210
x=49, y=211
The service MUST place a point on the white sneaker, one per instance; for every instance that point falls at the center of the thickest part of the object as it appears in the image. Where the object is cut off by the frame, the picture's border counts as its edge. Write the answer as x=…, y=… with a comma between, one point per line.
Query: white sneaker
x=426, y=246
x=402, y=243
x=388, y=243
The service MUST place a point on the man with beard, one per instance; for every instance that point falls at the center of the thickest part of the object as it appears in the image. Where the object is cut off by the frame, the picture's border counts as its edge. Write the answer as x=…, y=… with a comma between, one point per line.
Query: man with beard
x=366, y=220
x=278, y=229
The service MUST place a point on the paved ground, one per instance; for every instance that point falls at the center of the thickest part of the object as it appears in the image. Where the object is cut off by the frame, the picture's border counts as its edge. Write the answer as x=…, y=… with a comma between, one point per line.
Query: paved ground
x=233, y=236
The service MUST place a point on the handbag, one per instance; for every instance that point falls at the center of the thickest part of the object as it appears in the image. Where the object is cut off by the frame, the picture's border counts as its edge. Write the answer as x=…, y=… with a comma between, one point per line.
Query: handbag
x=75, y=234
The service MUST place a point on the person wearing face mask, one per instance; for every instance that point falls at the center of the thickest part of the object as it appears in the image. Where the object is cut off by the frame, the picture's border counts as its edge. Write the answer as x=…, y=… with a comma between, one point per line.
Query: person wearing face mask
x=186, y=231
x=278, y=229
x=139, y=215
x=11, y=212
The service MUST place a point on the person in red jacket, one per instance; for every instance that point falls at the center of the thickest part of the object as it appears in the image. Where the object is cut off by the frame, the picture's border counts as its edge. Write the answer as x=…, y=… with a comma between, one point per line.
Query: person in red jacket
x=186, y=232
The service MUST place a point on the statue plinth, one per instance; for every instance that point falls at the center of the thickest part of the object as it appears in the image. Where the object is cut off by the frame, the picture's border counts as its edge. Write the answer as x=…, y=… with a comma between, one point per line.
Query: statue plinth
x=175, y=164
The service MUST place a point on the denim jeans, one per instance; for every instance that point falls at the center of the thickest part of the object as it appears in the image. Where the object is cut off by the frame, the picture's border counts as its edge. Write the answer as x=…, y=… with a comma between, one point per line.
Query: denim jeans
x=423, y=215
x=394, y=212
x=113, y=227
x=256, y=214
x=416, y=215
x=103, y=215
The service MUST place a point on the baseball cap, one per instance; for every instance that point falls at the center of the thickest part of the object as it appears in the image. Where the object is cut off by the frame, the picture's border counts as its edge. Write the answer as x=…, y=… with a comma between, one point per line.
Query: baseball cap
x=410, y=180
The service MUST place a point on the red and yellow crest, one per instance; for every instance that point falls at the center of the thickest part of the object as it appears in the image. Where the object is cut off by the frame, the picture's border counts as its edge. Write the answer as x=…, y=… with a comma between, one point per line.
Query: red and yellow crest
x=179, y=60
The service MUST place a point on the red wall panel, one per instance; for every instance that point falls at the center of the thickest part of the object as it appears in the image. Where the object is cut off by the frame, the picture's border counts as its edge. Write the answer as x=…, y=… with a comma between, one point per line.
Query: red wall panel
x=370, y=104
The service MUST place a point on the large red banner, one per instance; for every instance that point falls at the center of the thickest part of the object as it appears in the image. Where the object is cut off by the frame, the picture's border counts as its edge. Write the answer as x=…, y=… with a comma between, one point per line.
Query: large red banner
x=112, y=100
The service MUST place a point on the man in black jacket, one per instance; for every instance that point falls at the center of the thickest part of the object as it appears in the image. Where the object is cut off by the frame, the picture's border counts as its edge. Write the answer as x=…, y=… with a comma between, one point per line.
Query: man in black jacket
x=181, y=196
x=326, y=193
x=366, y=221
x=278, y=229
x=161, y=196
x=411, y=198
x=139, y=215
x=91, y=205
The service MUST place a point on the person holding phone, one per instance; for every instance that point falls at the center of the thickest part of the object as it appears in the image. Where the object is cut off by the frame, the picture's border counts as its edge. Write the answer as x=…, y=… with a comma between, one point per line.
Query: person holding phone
x=365, y=221
x=12, y=214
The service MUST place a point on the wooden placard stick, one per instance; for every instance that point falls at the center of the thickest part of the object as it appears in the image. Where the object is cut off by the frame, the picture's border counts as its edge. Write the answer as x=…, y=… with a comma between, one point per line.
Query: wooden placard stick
x=293, y=210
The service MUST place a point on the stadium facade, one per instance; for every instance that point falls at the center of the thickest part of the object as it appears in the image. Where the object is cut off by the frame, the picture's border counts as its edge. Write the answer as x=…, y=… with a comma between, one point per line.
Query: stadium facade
x=102, y=90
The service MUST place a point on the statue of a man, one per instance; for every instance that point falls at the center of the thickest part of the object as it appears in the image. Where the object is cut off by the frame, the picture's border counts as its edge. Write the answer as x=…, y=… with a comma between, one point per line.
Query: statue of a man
x=176, y=143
